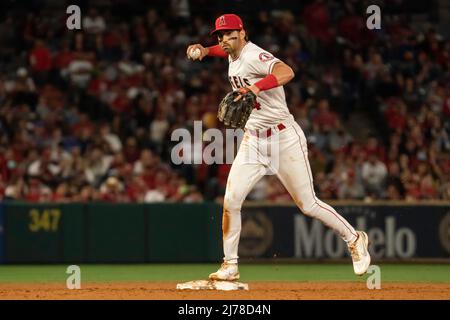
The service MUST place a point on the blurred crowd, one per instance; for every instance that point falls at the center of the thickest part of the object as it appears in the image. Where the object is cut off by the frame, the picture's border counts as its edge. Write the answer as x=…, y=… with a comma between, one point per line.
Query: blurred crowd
x=87, y=115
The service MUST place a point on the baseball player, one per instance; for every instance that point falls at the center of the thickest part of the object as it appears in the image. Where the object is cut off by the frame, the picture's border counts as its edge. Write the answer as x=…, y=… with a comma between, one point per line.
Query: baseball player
x=254, y=69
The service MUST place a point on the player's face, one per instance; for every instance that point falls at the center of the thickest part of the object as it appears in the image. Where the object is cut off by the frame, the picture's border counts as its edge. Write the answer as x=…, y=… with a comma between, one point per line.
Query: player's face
x=229, y=40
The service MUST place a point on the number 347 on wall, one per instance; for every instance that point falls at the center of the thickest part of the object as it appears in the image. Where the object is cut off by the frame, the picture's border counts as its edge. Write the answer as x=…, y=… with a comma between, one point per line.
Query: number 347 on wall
x=46, y=220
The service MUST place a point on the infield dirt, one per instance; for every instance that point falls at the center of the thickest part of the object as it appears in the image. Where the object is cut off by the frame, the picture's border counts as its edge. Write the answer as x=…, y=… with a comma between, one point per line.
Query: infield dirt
x=258, y=291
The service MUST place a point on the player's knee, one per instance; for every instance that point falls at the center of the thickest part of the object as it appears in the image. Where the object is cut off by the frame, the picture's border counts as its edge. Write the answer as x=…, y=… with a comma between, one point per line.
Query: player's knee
x=309, y=209
x=307, y=205
x=231, y=204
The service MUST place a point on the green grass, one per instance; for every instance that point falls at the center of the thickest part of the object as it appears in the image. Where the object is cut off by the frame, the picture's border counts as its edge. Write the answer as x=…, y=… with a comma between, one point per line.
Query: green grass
x=249, y=272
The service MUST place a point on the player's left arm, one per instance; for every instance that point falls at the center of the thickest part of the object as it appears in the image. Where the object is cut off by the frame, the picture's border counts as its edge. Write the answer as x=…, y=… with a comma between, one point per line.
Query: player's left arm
x=280, y=75
x=282, y=72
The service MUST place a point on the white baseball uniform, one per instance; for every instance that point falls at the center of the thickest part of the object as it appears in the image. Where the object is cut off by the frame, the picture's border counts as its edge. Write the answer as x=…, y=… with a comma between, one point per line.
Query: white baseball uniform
x=280, y=146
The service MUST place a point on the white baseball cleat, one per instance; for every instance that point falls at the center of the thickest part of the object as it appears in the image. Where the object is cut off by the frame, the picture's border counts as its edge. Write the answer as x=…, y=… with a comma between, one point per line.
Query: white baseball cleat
x=360, y=253
x=226, y=272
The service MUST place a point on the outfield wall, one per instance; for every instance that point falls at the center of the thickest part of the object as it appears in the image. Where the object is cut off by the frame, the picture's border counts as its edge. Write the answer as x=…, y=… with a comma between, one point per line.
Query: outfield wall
x=133, y=233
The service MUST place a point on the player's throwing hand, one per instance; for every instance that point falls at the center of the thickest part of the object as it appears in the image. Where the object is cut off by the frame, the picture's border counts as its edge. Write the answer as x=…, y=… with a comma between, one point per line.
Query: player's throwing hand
x=196, y=52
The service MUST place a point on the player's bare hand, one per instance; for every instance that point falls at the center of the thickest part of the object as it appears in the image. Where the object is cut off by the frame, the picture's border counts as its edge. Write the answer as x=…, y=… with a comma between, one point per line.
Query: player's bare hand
x=243, y=91
x=190, y=52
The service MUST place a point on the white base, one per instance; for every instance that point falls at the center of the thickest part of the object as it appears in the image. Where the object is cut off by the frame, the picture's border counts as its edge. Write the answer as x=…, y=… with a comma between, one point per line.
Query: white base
x=212, y=285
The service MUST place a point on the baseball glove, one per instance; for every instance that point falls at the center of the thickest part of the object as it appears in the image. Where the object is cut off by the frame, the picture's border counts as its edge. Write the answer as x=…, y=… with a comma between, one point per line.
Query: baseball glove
x=234, y=111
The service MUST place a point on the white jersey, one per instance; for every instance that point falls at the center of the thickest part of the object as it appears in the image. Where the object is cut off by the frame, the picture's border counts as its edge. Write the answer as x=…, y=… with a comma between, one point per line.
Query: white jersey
x=253, y=64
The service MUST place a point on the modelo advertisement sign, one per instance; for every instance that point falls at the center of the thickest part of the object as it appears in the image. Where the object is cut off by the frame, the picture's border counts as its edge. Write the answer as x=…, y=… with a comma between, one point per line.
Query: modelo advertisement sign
x=395, y=232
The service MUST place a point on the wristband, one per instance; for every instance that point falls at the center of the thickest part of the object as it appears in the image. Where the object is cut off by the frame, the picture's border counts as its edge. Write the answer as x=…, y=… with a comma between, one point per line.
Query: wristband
x=217, y=51
x=269, y=82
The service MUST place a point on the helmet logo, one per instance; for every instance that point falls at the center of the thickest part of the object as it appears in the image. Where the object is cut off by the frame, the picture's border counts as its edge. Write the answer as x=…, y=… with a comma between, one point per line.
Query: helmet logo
x=222, y=21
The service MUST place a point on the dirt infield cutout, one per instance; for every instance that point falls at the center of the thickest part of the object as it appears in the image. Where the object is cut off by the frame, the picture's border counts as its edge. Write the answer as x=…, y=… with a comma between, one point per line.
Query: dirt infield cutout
x=258, y=291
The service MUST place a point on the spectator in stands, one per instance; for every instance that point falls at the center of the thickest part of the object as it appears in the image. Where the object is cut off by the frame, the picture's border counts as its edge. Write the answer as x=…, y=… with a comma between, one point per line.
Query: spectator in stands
x=112, y=190
x=374, y=174
x=94, y=23
x=40, y=61
x=111, y=138
x=324, y=118
x=351, y=189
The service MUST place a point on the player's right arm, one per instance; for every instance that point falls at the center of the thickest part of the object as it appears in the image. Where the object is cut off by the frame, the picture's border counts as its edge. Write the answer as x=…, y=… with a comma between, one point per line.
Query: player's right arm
x=213, y=51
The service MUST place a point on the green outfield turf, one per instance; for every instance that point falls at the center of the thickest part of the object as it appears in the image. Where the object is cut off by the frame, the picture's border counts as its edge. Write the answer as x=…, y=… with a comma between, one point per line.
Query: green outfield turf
x=249, y=272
